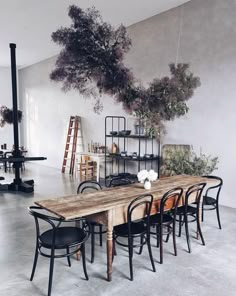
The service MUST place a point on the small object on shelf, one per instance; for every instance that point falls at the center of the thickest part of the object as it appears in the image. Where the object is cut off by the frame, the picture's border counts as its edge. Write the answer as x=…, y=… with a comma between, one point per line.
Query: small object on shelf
x=134, y=155
x=114, y=148
x=124, y=133
x=123, y=153
x=139, y=129
x=113, y=133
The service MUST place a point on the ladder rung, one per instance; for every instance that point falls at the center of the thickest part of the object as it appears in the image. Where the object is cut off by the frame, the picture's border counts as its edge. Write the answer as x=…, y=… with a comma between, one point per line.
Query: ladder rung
x=72, y=143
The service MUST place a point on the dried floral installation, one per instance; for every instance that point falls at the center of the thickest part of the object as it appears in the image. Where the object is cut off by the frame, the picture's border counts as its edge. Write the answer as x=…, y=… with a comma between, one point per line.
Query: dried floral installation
x=7, y=116
x=91, y=61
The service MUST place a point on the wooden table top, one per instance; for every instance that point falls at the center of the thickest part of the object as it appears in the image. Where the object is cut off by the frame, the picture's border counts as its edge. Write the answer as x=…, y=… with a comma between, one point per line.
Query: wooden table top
x=73, y=206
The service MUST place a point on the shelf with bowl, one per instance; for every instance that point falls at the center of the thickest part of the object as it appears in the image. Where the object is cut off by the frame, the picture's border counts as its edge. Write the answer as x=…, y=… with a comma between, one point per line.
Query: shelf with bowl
x=116, y=131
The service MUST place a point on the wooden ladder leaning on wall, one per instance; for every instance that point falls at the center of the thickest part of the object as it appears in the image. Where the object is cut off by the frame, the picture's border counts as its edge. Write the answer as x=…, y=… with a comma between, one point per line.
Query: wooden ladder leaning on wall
x=73, y=135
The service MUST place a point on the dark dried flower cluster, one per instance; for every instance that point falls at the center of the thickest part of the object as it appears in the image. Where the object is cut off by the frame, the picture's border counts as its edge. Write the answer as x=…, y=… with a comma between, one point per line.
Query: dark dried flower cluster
x=164, y=99
x=7, y=116
x=93, y=53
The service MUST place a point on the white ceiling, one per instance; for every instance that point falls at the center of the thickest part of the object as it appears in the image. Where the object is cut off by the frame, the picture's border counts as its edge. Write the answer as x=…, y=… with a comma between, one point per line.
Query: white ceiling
x=29, y=23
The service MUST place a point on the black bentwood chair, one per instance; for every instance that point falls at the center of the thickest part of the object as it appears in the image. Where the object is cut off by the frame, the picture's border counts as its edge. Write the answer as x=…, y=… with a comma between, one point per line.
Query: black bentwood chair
x=135, y=228
x=71, y=239
x=90, y=186
x=186, y=211
x=212, y=203
x=164, y=221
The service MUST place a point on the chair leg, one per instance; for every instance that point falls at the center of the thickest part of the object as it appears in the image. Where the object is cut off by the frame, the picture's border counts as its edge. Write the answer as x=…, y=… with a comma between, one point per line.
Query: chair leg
x=161, y=243
x=158, y=235
x=68, y=257
x=100, y=234
x=131, y=258
x=51, y=273
x=141, y=247
x=84, y=261
x=168, y=235
x=174, y=239
x=35, y=263
x=113, y=249
x=187, y=232
x=218, y=214
x=150, y=252
x=180, y=225
x=92, y=243
x=203, y=210
x=199, y=230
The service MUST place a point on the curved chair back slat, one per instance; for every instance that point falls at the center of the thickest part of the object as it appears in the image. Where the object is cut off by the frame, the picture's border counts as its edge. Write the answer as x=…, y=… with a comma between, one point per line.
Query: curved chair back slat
x=197, y=190
x=88, y=185
x=175, y=195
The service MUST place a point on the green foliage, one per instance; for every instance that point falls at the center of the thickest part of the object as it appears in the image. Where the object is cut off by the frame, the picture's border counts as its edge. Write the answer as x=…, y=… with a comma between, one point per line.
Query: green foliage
x=188, y=162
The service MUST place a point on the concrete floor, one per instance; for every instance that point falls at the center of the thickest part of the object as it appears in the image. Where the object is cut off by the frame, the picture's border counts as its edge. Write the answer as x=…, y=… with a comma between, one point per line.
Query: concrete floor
x=209, y=270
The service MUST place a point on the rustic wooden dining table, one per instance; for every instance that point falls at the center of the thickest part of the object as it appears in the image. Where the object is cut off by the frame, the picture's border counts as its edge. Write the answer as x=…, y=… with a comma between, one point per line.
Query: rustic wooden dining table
x=109, y=206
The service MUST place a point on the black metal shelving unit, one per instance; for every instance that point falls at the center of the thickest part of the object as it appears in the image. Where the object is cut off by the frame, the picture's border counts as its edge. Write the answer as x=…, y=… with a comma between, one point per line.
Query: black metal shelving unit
x=118, y=123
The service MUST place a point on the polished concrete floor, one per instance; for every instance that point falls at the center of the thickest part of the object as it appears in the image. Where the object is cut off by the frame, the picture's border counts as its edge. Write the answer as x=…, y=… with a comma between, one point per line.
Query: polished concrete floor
x=209, y=271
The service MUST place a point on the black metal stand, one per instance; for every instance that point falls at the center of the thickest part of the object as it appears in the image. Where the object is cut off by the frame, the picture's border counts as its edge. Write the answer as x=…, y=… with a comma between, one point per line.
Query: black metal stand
x=114, y=125
x=17, y=159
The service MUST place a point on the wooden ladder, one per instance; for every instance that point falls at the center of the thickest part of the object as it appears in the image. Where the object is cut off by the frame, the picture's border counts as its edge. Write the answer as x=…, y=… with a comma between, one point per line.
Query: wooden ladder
x=74, y=133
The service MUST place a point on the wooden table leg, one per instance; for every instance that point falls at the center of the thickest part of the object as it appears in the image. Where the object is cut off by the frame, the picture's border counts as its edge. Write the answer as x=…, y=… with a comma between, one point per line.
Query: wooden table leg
x=109, y=245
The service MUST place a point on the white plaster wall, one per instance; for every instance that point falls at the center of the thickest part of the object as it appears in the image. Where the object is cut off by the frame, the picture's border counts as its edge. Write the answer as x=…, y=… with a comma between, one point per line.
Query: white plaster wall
x=6, y=133
x=202, y=33
x=48, y=110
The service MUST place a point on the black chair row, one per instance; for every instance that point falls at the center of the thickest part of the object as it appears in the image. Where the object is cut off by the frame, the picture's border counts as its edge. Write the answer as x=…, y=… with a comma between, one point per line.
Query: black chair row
x=173, y=207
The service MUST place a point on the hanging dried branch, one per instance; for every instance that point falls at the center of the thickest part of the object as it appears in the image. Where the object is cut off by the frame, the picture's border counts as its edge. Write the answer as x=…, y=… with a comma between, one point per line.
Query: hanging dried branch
x=7, y=116
x=92, y=55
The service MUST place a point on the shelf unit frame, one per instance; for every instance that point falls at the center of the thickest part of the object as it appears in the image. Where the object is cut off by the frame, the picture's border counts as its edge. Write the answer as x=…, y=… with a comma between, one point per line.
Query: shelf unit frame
x=120, y=122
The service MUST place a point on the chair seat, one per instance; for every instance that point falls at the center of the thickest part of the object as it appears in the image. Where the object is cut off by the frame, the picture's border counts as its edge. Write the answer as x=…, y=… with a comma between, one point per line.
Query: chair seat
x=190, y=210
x=65, y=236
x=207, y=200
x=137, y=229
x=156, y=219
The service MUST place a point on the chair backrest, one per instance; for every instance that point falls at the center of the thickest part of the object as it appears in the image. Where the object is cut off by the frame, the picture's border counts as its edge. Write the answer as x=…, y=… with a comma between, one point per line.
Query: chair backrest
x=172, y=198
x=84, y=158
x=217, y=187
x=39, y=215
x=194, y=191
x=88, y=186
x=141, y=204
x=119, y=181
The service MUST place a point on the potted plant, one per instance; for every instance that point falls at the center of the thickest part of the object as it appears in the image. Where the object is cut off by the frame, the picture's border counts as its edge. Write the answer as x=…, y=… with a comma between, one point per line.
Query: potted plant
x=180, y=162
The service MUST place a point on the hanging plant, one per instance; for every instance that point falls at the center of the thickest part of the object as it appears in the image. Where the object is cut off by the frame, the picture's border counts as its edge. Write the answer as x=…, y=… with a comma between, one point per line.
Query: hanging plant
x=91, y=61
x=7, y=116
x=92, y=54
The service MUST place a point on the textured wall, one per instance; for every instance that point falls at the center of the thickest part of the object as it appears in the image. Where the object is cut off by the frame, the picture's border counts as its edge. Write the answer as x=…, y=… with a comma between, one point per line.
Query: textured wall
x=6, y=133
x=202, y=33
x=47, y=111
